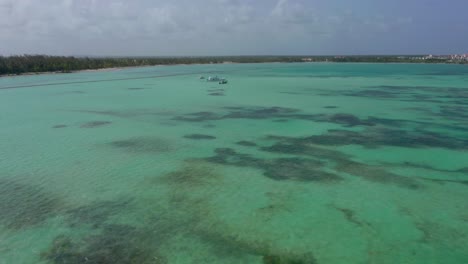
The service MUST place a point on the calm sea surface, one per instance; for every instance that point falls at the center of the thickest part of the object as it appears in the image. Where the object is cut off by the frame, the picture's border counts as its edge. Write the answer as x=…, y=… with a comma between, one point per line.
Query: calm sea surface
x=287, y=163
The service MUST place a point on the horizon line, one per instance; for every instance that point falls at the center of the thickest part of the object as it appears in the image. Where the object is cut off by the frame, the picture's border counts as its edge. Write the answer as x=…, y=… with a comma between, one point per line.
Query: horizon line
x=245, y=55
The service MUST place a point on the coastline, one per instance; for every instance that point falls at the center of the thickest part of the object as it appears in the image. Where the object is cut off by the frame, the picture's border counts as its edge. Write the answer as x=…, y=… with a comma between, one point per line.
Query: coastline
x=111, y=69
x=61, y=72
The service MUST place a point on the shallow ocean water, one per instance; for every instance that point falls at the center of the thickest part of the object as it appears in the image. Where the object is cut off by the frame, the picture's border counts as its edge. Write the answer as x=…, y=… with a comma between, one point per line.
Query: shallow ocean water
x=287, y=163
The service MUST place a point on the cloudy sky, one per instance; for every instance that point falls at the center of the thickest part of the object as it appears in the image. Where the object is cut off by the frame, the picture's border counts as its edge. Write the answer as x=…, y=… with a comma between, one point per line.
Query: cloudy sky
x=232, y=27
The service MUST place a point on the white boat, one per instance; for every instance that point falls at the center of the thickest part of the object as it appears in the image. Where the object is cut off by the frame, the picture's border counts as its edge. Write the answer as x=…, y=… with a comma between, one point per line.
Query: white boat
x=213, y=79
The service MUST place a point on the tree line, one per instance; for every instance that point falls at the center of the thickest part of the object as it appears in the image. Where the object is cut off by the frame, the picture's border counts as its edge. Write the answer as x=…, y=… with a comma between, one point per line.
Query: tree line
x=42, y=63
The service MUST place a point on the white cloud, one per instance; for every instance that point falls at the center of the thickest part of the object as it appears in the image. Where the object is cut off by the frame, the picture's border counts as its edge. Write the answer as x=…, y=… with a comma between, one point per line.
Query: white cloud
x=177, y=27
x=293, y=11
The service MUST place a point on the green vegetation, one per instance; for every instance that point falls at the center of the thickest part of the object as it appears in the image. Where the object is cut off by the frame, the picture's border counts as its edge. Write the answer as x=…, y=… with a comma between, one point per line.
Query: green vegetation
x=41, y=63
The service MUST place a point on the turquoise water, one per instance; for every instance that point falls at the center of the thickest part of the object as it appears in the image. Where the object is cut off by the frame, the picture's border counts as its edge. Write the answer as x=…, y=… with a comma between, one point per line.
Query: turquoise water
x=287, y=163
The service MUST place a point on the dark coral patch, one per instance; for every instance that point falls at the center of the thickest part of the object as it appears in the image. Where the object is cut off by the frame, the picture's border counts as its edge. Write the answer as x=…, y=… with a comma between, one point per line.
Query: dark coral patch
x=286, y=259
x=234, y=107
x=24, y=205
x=96, y=213
x=350, y=216
x=246, y=143
x=443, y=181
x=434, y=232
x=192, y=174
x=299, y=147
x=343, y=163
x=374, y=94
x=376, y=174
x=348, y=120
x=279, y=114
x=117, y=244
x=200, y=137
x=228, y=156
x=456, y=113
x=142, y=145
x=198, y=117
x=418, y=94
x=94, y=124
x=234, y=112
x=299, y=169
x=260, y=112
x=131, y=113
x=388, y=137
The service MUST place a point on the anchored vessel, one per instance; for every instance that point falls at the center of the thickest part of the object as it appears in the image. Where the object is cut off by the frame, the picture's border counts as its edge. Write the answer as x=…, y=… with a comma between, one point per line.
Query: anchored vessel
x=213, y=79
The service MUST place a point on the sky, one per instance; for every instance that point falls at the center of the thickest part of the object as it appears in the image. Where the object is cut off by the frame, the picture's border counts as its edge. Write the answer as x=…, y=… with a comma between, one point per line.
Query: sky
x=233, y=27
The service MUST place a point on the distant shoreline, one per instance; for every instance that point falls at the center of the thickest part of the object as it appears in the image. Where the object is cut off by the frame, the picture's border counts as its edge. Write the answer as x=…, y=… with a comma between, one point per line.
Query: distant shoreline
x=31, y=65
x=60, y=72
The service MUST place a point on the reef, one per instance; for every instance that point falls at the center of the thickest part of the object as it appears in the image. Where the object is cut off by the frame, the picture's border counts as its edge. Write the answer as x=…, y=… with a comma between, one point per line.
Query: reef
x=246, y=143
x=190, y=208
x=342, y=163
x=192, y=175
x=94, y=124
x=116, y=244
x=142, y=145
x=24, y=205
x=281, y=259
x=350, y=216
x=429, y=94
x=376, y=174
x=237, y=113
x=131, y=113
x=95, y=214
x=281, y=114
x=199, y=137
x=443, y=181
x=376, y=137
x=300, y=169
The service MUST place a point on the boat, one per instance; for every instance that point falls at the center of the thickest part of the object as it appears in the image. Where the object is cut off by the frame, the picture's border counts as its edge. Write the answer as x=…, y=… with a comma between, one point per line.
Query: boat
x=213, y=79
